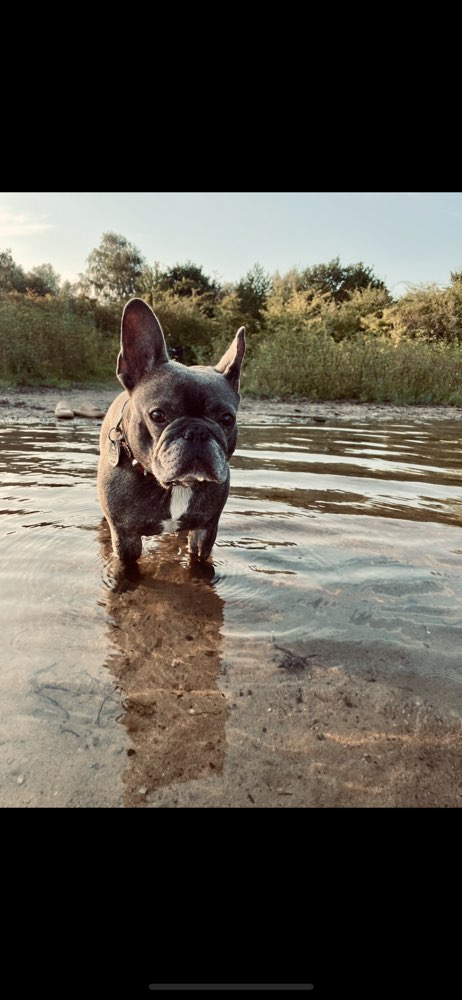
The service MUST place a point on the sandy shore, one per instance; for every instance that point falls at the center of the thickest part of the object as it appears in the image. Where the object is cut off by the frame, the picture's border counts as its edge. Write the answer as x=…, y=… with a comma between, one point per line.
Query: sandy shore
x=38, y=405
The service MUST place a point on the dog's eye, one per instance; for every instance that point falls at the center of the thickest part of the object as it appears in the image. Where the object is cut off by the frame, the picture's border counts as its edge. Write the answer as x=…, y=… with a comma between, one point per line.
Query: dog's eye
x=227, y=420
x=158, y=416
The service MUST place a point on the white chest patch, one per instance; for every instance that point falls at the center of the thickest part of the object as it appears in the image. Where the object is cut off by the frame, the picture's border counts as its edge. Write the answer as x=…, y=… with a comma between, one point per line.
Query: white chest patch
x=179, y=503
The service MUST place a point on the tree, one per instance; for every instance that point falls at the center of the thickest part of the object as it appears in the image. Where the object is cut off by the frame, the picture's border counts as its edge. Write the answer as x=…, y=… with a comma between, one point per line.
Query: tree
x=186, y=280
x=12, y=277
x=338, y=281
x=114, y=269
x=252, y=292
x=43, y=280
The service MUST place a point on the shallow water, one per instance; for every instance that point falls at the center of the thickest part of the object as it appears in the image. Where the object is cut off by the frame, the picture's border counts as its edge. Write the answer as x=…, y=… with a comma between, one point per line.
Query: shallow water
x=339, y=541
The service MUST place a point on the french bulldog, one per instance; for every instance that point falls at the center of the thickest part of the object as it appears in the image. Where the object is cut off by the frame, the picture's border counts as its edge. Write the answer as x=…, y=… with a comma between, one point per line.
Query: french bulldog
x=166, y=440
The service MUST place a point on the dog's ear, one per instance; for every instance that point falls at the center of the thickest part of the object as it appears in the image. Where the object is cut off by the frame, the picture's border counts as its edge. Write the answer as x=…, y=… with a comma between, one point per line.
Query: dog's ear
x=142, y=343
x=230, y=363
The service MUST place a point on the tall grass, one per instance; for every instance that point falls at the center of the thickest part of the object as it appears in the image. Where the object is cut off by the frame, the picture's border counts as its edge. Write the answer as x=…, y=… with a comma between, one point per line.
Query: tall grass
x=364, y=368
x=48, y=340
x=364, y=349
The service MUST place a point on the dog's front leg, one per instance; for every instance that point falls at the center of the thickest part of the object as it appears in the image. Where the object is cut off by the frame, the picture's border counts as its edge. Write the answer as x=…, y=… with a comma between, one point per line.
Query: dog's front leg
x=126, y=547
x=201, y=541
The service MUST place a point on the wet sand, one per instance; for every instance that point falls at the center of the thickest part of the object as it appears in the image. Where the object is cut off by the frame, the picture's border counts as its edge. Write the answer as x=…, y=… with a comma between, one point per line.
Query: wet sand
x=321, y=724
x=324, y=724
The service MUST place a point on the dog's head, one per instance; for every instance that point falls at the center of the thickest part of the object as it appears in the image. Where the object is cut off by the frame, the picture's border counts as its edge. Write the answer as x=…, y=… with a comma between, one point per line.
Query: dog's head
x=180, y=422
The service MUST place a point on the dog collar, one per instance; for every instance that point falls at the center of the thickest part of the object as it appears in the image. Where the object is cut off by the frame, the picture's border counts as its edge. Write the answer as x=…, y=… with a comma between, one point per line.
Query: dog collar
x=120, y=440
x=136, y=465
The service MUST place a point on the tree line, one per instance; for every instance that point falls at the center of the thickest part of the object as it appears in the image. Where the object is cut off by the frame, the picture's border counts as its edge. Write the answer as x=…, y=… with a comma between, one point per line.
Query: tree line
x=116, y=271
x=56, y=330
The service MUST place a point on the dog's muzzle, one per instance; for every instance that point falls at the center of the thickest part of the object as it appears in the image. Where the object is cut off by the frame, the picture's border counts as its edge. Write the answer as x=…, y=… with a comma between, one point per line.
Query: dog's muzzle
x=191, y=449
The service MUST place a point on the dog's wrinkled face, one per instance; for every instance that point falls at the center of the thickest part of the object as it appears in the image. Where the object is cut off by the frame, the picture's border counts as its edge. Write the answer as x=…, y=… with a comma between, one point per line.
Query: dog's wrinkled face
x=181, y=422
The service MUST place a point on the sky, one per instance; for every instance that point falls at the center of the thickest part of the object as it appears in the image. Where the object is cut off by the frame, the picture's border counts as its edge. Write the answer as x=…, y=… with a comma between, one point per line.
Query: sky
x=407, y=238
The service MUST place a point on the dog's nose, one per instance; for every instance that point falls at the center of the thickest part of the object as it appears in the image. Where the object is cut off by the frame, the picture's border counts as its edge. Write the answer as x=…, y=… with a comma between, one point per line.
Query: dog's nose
x=196, y=434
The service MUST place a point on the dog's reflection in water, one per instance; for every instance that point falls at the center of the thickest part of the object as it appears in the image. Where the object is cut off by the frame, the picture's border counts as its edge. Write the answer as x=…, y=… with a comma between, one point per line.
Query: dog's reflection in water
x=164, y=623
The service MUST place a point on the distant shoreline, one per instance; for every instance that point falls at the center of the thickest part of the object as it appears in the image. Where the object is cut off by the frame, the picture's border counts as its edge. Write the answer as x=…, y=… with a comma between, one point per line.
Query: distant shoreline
x=36, y=405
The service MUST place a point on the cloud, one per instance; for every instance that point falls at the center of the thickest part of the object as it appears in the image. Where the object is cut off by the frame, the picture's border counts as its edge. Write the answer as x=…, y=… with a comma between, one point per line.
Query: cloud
x=22, y=223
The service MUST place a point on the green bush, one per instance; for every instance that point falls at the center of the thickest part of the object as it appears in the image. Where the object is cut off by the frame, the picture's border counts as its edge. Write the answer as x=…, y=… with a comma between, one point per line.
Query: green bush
x=430, y=312
x=44, y=339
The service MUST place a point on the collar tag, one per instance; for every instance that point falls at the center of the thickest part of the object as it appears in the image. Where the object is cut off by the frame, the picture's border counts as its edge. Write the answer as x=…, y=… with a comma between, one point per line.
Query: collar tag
x=114, y=453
